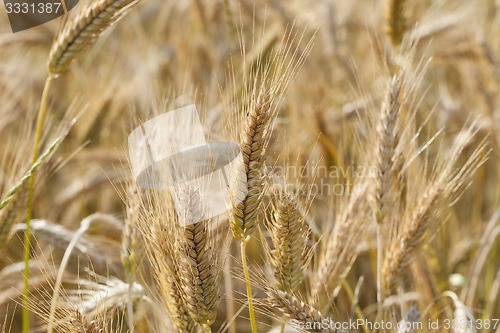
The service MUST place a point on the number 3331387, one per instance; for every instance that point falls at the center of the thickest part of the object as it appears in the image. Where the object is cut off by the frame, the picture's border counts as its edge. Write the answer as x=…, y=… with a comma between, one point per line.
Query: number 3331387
x=33, y=8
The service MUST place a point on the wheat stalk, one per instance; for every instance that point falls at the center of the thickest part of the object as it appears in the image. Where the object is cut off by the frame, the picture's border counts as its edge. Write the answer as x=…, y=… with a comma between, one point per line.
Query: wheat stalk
x=29, y=210
x=129, y=248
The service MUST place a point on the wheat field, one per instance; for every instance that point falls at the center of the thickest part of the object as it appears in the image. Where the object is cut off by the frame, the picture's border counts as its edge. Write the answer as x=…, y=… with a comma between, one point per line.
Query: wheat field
x=358, y=148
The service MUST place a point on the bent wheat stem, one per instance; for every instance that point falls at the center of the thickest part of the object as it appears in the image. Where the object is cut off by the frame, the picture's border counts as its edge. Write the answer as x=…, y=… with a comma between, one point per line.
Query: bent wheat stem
x=352, y=299
x=58, y=283
x=31, y=183
x=253, y=322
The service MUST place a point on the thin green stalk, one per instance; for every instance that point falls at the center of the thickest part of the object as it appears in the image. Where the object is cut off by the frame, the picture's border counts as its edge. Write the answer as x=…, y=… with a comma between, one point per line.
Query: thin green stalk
x=27, y=233
x=253, y=322
x=228, y=287
x=283, y=325
x=130, y=306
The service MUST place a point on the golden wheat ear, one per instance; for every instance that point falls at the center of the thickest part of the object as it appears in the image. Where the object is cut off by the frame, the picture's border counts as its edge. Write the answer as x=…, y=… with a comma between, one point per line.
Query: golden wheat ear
x=156, y=227
x=200, y=276
x=289, y=234
x=259, y=102
x=340, y=248
x=387, y=164
x=82, y=325
x=83, y=30
x=247, y=183
x=299, y=311
x=17, y=194
x=447, y=183
x=385, y=150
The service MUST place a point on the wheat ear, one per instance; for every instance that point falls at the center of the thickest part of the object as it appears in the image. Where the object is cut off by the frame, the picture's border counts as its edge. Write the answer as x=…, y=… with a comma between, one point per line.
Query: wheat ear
x=289, y=234
x=387, y=140
x=448, y=182
x=9, y=215
x=83, y=30
x=82, y=325
x=168, y=278
x=200, y=281
x=247, y=184
x=157, y=225
x=398, y=255
x=341, y=244
x=298, y=310
x=17, y=193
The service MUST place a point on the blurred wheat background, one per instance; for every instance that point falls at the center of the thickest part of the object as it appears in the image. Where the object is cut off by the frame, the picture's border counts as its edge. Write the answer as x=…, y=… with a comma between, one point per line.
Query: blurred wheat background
x=382, y=115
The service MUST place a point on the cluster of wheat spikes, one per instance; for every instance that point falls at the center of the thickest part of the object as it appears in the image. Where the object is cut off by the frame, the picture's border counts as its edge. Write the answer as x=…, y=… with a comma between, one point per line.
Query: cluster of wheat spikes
x=396, y=245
